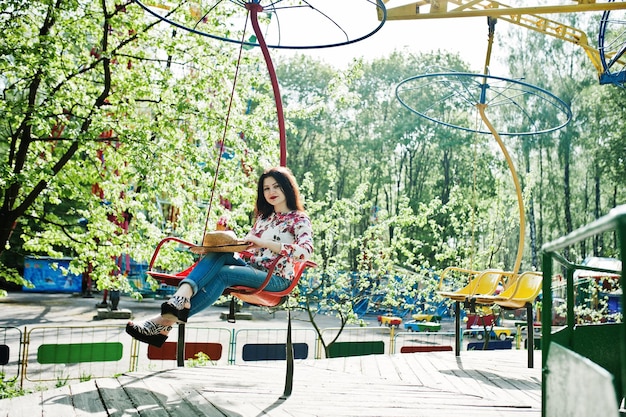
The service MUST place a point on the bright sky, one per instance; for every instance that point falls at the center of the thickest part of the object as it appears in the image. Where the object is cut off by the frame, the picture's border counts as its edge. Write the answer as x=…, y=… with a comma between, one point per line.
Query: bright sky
x=465, y=36
x=468, y=37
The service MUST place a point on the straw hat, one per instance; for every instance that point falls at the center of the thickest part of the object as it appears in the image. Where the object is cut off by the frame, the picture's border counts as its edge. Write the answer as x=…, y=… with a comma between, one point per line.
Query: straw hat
x=220, y=241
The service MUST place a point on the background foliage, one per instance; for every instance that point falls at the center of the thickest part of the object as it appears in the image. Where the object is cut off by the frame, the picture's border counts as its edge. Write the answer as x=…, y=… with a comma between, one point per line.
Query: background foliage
x=112, y=129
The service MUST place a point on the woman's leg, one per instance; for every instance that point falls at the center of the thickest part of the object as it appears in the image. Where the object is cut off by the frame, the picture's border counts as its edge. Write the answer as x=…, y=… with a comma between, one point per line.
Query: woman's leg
x=155, y=330
x=198, y=278
x=231, y=275
x=206, y=285
x=204, y=271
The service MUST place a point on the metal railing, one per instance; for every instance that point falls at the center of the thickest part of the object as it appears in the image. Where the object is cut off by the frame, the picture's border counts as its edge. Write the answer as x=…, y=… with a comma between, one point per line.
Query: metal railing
x=602, y=344
x=57, y=355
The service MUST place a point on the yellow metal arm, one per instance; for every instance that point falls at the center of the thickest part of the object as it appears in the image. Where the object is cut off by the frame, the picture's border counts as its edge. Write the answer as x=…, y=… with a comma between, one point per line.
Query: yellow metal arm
x=472, y=8
x=528, y=17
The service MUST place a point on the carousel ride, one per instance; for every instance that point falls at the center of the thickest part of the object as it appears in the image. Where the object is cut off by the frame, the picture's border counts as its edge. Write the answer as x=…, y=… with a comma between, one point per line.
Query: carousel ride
x=277, y=25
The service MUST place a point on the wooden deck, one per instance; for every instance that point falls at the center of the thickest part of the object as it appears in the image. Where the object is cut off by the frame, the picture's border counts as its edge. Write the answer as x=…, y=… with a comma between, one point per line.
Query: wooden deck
x=438, y=384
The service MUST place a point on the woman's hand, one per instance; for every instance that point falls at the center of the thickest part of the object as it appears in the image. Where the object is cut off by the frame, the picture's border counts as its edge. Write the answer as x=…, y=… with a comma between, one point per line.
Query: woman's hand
x=254, y=242
x=258, y=243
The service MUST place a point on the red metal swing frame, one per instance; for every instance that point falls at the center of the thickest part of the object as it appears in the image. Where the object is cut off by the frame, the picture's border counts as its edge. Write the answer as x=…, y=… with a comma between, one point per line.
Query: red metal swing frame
x=256, y=296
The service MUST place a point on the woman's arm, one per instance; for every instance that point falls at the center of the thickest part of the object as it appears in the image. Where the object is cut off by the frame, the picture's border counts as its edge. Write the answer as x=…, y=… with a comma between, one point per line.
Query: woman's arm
x=258, y=243
x=290, y=236
x=302, y=246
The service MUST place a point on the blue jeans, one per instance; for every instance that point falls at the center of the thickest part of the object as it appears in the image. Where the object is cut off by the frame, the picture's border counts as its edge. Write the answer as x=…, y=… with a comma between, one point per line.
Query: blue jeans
x=217, y=271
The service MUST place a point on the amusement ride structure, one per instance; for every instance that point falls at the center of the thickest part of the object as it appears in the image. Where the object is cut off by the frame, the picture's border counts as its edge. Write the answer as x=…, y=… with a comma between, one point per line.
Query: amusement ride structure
x=514, y=104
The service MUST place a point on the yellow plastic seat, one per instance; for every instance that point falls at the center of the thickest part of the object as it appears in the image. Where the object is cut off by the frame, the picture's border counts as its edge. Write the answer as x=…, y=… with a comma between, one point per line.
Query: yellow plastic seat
x=483, y=283
x=520, y=294
x=480, y=283
x=524, y=290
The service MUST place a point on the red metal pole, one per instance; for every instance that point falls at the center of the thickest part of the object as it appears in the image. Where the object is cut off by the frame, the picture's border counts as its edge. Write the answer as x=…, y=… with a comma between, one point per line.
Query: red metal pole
x=254, y=9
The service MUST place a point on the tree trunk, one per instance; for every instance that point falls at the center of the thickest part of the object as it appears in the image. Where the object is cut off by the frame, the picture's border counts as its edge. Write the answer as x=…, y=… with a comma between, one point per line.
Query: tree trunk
x=598, y=243
x=567, y=197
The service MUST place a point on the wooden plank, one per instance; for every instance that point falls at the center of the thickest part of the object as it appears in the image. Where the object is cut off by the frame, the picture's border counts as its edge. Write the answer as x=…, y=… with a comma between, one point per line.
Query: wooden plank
x=415, y=371
x=246, y=392
x=196, y=401
x=357, y=397
x=369, y=368
x=489, y=375
x=494, y=380
x=149, y=401
x=19, y=407
x=495, y=386
x=86, y=400
x=430, y=365
x=455, y=382
x=407, y=369
x=354, y=366
x=58, y=402
x=115, y=399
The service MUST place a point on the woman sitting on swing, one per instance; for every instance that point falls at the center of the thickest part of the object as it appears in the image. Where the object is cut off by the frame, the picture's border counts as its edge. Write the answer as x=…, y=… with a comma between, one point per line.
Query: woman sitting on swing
x=281, y=228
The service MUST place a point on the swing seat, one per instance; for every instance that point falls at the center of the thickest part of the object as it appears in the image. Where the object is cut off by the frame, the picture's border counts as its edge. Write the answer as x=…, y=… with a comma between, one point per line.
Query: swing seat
x=480, y=283
x=525, y=289
x=255, y=296
x=521, y=293
x=260, y=297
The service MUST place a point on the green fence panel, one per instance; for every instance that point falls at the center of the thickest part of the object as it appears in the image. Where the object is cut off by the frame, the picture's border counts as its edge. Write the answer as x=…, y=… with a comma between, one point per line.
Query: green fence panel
x=79, y=352
x=601, y=345
x=344, y=349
